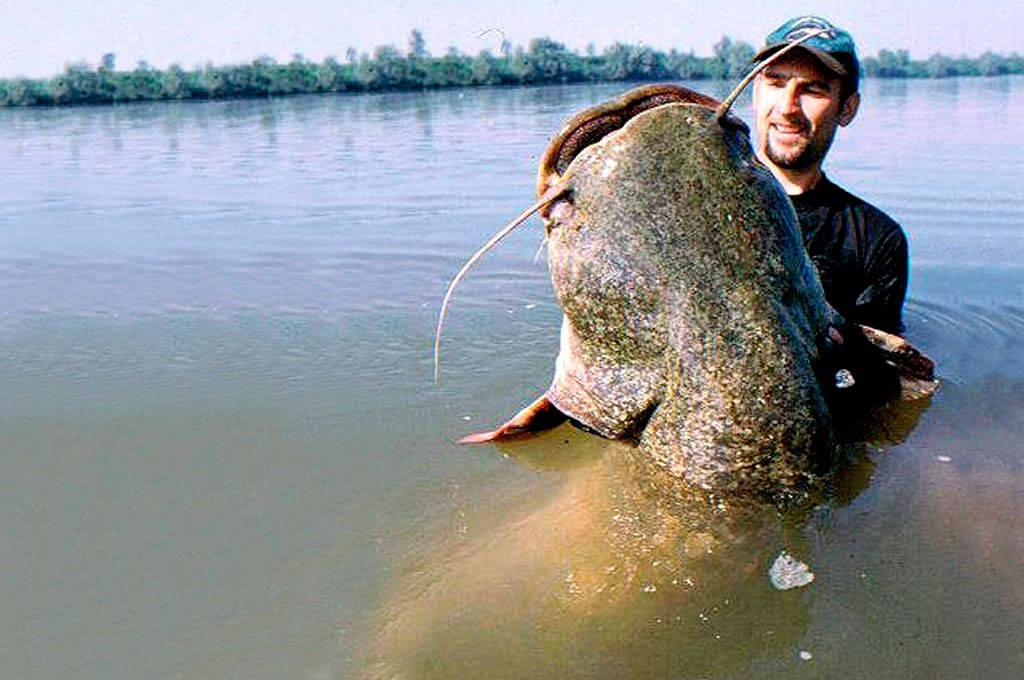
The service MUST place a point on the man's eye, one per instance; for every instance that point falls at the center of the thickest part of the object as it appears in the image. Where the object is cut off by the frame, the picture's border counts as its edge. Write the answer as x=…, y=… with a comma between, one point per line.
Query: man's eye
x=817, y=89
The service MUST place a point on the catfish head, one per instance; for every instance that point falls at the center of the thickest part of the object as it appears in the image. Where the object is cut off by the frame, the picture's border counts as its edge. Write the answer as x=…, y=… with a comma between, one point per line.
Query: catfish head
x=693, y=315
x=694, y=321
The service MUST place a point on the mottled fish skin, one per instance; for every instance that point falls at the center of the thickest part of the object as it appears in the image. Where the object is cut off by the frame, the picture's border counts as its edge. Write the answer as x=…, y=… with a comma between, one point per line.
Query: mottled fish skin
x=693, y=315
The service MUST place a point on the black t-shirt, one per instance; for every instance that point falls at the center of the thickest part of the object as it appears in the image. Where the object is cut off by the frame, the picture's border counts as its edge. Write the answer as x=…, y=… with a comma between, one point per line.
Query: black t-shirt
x=860, y=253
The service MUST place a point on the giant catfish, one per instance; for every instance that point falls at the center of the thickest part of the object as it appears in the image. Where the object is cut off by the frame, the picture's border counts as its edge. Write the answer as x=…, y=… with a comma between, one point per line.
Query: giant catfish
x=694, y=321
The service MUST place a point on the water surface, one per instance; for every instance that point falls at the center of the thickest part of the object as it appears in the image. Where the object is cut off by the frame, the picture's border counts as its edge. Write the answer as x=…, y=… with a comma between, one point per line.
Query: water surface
x=224, y=455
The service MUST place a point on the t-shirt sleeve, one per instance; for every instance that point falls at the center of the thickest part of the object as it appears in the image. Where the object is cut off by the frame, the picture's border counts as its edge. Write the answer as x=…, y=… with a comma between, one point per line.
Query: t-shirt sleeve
x=880, y=304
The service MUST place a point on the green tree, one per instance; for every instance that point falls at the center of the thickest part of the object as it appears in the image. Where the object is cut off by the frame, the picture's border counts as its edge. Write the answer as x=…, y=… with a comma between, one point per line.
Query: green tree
x=893, y=64
x=20, y=92
x=144, y=83
x=490, y=70
x=386, y=70
x=261, y=78
x=330, y=76
x=173, y=85
x=629, y=62
x=732, y=59
x=211, y=82
x=990, y=64
x=417, y=45
x=300, y=75
x=940, y=66
x=547, y=61
x=454, y=69
x=105, y=84
x=685, y=66
x=78, y=84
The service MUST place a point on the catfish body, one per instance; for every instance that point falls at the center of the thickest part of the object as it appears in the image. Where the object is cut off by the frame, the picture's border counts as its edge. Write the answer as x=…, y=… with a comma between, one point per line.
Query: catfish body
x=694, y=321
x=693, y=315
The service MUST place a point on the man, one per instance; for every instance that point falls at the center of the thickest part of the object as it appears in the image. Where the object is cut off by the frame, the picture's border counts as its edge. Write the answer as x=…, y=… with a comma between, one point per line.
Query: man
x=799, y=102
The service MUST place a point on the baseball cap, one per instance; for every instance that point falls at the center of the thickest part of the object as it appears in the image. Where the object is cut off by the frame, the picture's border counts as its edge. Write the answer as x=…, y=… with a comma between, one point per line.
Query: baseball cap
x=834, y=48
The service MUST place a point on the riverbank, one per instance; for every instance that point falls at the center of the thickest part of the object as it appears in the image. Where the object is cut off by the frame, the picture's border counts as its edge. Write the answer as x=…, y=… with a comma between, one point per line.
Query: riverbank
x=542, y=62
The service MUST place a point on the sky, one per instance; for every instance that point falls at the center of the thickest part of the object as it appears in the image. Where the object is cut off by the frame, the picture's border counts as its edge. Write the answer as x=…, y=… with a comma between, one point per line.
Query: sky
x=41, y=37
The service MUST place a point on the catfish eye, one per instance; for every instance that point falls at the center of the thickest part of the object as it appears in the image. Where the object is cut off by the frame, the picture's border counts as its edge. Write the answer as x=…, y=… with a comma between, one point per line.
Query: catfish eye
x=558, y=214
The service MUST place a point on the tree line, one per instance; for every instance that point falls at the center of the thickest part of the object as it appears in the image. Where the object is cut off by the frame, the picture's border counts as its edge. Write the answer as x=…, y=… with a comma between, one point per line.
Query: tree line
x=543, y=61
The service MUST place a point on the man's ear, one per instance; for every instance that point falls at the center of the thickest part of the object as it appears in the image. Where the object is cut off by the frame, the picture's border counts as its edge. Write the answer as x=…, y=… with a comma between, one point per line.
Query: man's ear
x=849, y=109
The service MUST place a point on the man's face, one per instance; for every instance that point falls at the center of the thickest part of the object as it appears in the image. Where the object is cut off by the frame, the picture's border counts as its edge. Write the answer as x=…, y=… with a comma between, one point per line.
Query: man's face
x=797, y=108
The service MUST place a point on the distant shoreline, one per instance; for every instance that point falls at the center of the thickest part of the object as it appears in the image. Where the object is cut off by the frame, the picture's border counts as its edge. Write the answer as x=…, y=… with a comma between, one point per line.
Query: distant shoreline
x=543, y=61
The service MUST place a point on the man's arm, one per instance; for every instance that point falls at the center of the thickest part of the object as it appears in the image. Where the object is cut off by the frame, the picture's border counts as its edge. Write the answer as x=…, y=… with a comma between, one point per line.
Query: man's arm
x=880, y=304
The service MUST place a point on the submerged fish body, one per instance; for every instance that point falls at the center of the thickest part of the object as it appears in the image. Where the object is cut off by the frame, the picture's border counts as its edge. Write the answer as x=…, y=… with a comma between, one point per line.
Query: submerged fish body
x=692, y=312
x=694, y=328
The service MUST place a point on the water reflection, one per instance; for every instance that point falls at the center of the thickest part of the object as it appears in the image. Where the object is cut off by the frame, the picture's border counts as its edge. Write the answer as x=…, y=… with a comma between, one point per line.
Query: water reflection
x=949, y=87
x=424, y=114
x=999, y=85
x=892, y=88
x=269, y=118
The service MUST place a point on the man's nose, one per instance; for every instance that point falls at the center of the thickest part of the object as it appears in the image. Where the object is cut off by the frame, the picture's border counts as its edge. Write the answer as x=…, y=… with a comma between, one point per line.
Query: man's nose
x=789, y=100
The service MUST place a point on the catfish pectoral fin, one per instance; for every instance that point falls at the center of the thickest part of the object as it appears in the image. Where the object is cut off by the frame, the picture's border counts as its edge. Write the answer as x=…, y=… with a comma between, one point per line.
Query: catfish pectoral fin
x=539, y=416
x=908, y=359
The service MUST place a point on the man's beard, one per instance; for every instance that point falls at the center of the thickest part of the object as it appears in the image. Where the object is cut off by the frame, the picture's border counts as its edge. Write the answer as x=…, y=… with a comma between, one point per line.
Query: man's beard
x=805, y=156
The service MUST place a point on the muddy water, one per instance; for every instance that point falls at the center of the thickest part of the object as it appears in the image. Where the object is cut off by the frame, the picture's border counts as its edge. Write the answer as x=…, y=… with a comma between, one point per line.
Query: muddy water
x=224, y=455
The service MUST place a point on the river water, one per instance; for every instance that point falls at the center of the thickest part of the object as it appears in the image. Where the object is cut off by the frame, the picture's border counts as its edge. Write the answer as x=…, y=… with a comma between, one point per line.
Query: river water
x=224, y=455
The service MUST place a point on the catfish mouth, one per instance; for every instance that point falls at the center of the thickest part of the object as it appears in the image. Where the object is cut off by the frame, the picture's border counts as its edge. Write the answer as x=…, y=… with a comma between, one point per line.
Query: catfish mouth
x=594, y=124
